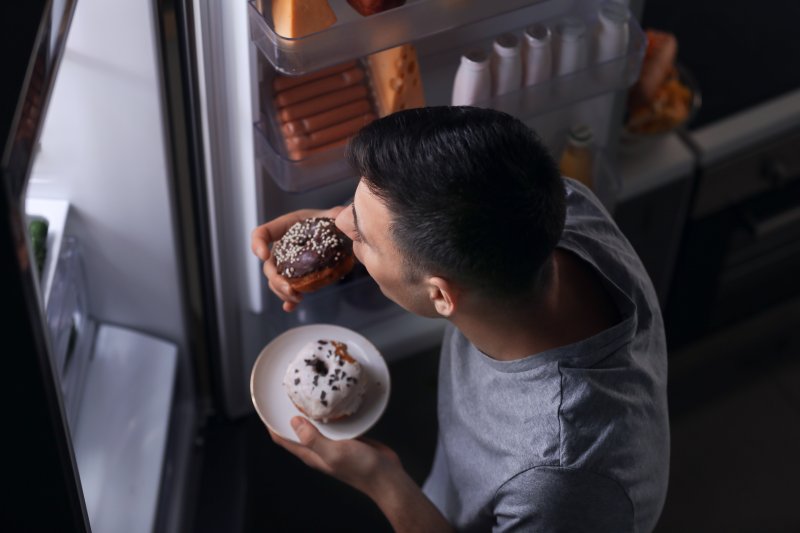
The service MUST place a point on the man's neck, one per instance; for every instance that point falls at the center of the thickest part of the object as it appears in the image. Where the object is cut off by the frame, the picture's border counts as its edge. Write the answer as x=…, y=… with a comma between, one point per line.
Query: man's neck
x=573, y=306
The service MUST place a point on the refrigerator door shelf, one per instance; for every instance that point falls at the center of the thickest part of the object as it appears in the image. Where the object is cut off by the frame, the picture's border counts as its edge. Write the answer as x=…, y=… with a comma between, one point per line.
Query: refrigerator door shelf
x=121, y=432
x=439, y=68
x=68, y=320
x=298, y=175
x=302, y=175
x=354, y=35
x=355, y=302
x=598, y=80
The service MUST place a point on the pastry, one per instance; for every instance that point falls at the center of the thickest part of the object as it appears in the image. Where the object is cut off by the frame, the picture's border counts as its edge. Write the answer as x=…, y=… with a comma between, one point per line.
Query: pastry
x=324, y=381
x=313, y=253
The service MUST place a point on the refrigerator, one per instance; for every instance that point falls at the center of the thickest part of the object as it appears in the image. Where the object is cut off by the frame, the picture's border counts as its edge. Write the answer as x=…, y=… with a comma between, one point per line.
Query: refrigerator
x=148, y=138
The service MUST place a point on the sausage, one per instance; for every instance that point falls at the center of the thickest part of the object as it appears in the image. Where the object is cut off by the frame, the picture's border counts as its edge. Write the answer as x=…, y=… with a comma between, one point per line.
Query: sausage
x=323, y=103
x=319, y=87
x=281, y=83
x=326, y=118
x=329, y=134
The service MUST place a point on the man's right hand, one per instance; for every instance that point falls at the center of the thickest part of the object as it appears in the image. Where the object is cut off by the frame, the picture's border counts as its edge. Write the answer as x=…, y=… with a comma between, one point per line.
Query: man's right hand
x=266, y=234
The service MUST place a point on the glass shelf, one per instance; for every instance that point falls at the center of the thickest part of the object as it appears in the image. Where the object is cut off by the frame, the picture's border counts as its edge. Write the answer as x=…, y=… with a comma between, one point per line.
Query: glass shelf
x=354, y=35
x=354, y=302
x=299, y=175
x=596, y=79
x=439, y=60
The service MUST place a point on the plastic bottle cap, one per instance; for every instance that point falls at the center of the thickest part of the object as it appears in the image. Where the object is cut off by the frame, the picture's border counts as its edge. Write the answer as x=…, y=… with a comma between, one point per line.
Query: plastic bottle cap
x=581, y=135
x=615, y=12
x=506, y=45
x=571, y=29
x=477, y=59
x=537, y=34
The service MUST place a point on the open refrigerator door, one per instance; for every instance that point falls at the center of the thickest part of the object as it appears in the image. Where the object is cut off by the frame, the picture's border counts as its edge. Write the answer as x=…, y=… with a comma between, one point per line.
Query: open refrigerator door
x=110, y=287
x=260, y=88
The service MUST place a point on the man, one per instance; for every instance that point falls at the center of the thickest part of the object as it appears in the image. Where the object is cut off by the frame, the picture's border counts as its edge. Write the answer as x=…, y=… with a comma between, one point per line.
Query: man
x=552, y=387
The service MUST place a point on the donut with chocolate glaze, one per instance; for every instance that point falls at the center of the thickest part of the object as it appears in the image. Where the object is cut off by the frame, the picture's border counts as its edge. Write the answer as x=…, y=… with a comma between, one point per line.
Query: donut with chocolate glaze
x=313, y=253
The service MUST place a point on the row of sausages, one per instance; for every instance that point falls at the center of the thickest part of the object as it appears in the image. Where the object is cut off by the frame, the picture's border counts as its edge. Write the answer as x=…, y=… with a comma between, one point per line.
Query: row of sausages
x=321, y=110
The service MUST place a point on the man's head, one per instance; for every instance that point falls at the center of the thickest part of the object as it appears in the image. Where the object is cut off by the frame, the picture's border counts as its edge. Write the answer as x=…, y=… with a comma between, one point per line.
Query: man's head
x=463, y=196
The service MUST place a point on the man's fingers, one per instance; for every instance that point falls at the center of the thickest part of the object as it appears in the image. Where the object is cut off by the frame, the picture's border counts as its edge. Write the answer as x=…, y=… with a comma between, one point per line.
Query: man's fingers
x=311, y=438
x=259, y=241
x=305, y=454
x=282, y=289
x=266, y=234
x=381, y=447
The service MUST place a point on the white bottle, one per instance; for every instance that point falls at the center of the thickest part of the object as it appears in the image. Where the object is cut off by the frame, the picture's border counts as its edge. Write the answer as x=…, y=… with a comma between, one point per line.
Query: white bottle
x=506, y=65
x=613, y=32
x=473, y=81
x=538, y=55
x=570, y=51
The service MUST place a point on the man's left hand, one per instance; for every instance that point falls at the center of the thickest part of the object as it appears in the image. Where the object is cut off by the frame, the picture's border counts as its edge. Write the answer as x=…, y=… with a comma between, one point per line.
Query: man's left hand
x=361, y=464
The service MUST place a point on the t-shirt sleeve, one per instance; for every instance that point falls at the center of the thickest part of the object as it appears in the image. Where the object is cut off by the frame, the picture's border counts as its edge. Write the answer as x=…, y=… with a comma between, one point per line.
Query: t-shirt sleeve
x=556, y=499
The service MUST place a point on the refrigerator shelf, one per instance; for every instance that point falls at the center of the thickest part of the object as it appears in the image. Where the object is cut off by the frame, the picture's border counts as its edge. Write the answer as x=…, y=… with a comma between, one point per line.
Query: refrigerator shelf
x=355, y=302
x=438, y=65
x=439, y=69
x=354, y=35
x=71, y=329
x=299, y=175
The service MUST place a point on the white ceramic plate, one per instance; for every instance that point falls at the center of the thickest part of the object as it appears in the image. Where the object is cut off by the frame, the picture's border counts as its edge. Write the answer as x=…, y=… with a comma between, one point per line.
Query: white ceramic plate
x=276, y=409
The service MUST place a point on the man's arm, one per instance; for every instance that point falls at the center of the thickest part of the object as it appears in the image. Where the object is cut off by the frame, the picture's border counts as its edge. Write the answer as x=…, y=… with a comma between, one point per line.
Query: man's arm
x=372, y=468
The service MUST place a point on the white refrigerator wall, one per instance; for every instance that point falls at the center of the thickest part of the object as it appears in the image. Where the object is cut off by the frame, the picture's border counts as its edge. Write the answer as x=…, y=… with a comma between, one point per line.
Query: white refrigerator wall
x=103, y=149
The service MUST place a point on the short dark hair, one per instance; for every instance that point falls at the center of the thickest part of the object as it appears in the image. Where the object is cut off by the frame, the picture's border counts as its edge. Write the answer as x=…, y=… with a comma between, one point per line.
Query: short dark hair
x=474, y=194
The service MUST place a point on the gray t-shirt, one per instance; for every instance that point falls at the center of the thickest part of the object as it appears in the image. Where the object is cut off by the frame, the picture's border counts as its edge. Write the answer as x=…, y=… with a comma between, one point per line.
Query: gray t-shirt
x=572, y=439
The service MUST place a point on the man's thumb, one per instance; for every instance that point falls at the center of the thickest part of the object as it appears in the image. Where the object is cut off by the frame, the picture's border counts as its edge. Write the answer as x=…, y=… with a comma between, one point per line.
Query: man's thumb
x=305, y=431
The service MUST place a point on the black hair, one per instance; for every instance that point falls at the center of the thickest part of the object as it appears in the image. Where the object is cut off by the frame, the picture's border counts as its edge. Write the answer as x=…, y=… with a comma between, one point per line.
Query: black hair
x=474, y=194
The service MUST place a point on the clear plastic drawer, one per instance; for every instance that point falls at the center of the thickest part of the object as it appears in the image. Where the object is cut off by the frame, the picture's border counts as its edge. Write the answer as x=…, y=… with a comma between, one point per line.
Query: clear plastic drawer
x=71, y=329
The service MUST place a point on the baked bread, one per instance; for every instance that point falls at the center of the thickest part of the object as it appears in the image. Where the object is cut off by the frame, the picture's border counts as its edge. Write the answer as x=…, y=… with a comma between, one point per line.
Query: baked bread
x=396, y=80
x=324, y=381
x=313, y=253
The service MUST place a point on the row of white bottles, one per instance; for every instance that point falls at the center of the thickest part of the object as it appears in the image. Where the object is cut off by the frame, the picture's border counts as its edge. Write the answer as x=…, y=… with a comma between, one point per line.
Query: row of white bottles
x=541, y=55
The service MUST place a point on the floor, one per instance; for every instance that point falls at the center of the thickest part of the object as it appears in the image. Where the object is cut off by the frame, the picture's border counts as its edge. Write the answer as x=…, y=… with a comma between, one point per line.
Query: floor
x=734, y=465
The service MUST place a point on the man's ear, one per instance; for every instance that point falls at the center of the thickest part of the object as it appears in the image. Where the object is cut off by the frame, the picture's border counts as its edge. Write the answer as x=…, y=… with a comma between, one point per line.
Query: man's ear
x=444, y=295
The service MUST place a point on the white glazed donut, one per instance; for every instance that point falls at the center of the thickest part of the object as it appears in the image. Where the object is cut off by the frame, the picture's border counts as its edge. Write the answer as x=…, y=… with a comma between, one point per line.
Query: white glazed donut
x=324, y=381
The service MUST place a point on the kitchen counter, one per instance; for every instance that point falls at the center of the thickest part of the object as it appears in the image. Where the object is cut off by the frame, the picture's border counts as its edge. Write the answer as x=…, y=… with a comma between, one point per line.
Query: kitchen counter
x=653, y=202
x=649, y=165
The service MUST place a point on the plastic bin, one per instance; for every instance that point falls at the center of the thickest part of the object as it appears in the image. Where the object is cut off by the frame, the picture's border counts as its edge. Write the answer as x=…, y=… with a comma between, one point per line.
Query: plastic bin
x=71, y=329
